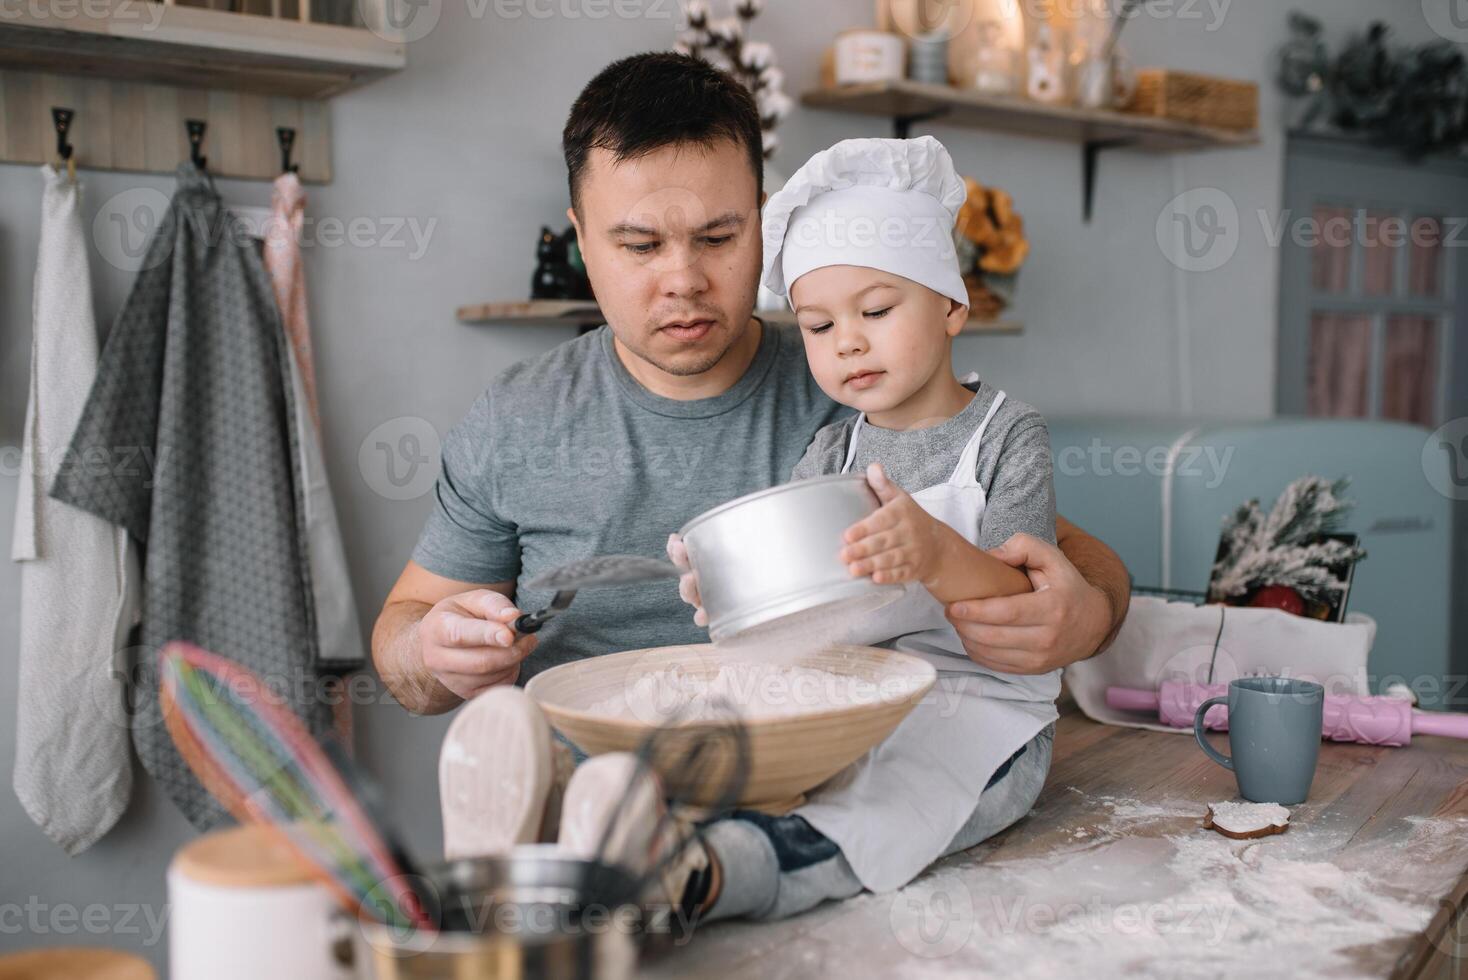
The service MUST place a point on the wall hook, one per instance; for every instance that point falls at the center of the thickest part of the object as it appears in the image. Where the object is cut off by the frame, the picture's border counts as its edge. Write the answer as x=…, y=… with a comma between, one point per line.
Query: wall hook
x=62, y=119
x=196, y=129
x=286, y=136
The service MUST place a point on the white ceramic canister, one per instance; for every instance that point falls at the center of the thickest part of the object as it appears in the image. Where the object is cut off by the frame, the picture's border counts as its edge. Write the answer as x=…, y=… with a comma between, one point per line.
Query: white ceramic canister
x=244, y=907
x=865, y=55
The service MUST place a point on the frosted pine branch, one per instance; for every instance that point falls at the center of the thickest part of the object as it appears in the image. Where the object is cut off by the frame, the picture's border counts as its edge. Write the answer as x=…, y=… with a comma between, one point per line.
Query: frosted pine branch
x=1304, y=568
x=1241, y=530
x=1256, y=551
x=1308, y=508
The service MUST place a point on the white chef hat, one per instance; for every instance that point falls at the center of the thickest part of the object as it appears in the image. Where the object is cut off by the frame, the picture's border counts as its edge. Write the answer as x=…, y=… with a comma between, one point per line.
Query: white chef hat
x=876, y=203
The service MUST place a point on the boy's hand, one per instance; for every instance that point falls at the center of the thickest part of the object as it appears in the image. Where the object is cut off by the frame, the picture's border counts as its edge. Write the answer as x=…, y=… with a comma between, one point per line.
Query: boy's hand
x=901, y=542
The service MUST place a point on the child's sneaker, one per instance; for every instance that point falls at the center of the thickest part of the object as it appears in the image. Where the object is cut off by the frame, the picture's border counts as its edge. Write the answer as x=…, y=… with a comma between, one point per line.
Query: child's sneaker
x=688, y=882
x=563, y=767
x=497, y=772
x=641, y=834
x=611, y=808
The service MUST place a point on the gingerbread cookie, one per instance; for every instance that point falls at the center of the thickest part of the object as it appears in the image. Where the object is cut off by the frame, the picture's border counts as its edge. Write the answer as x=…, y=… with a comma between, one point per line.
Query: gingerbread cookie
x=1246, y=821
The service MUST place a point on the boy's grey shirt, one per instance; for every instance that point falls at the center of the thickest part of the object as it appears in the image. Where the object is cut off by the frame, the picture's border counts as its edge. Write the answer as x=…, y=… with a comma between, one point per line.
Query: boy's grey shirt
x=1013, y=468
x=1013, y=464
x=566, y=455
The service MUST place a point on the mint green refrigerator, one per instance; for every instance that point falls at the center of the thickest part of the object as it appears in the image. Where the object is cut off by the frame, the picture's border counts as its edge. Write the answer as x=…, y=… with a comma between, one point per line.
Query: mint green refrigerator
x=1157, y=491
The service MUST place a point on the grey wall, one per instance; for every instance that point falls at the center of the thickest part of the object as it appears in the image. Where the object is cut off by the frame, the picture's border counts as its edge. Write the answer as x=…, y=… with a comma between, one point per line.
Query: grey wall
x=467, y=138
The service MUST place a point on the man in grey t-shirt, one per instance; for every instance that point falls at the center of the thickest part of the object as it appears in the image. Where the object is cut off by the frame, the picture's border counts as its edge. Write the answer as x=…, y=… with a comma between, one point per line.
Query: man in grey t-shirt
x=682, y=401
x=568, y=455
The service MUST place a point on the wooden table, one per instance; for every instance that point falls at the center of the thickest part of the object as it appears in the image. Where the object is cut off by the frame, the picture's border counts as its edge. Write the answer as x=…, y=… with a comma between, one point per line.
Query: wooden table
x=1112, y=874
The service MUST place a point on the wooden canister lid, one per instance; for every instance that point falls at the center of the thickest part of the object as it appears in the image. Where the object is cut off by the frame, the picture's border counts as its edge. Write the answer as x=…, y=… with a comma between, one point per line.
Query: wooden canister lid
x=75, y=964
x=242, y=857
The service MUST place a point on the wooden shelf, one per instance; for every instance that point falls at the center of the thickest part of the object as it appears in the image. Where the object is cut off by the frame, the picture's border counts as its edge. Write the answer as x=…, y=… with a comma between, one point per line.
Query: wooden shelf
x=146, y=41
x=913, y=101
x=906, y=103
x=577, y=313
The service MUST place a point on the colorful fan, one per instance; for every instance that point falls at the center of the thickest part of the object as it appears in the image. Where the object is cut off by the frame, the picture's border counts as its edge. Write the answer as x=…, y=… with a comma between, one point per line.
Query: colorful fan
x=257, y=758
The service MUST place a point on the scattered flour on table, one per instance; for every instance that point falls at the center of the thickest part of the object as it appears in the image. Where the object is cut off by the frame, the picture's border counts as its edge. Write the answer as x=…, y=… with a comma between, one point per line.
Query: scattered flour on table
x=1126, y=811
x=754, y=689
x=1182, y=903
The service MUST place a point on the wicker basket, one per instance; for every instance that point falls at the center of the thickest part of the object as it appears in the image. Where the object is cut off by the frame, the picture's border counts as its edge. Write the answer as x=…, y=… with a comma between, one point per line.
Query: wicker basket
x=1221, y=102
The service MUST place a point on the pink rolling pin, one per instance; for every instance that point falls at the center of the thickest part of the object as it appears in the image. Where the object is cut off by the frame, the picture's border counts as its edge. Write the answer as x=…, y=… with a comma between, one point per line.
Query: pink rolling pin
x=1368, y=719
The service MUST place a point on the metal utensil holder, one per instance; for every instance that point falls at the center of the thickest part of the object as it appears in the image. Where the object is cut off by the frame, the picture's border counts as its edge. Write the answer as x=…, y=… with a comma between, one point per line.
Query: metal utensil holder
x=532, y=913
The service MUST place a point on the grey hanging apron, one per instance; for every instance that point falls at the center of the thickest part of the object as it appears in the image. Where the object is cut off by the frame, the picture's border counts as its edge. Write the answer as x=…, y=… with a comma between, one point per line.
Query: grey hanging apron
x=188, y=440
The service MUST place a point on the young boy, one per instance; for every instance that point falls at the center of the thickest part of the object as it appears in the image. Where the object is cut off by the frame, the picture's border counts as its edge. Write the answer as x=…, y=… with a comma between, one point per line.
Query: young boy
x=860, y=237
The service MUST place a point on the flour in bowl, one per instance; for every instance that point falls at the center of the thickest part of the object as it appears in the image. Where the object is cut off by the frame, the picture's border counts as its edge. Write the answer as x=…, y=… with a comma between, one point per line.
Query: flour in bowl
x=753, y=689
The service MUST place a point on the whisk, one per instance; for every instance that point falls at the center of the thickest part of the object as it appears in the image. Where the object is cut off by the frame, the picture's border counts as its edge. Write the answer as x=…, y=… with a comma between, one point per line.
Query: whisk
x=691, y=756
x=257, y=758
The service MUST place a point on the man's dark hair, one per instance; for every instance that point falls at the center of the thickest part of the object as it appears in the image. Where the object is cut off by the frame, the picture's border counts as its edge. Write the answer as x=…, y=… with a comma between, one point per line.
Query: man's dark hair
x=649, y=101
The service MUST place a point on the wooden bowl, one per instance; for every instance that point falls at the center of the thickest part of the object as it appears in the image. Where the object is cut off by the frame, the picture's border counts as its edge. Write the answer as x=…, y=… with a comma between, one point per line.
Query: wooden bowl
x=808, y=741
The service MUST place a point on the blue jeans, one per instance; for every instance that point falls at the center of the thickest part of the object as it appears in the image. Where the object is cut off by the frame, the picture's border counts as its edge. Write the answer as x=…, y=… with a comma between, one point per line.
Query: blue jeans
x=774, y=867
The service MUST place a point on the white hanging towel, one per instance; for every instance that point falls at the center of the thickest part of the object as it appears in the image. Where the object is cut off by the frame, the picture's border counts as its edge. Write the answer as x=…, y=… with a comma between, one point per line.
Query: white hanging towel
x=79, y=574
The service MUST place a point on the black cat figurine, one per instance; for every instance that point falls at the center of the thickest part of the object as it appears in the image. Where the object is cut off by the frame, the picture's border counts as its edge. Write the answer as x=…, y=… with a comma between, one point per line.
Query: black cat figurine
x=555, y=277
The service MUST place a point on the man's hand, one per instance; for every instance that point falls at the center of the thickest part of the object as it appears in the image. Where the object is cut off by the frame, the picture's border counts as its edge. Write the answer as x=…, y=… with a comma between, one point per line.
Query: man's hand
x=468, y=644
x=1063, y=620
x=688, y=581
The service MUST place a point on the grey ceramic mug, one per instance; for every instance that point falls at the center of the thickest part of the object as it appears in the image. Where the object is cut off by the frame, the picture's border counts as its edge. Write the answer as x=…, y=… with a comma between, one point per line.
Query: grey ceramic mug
x=1274, y=735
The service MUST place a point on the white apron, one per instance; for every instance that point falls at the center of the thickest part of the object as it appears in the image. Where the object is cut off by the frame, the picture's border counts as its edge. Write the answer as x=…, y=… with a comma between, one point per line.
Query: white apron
x=894, y=811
